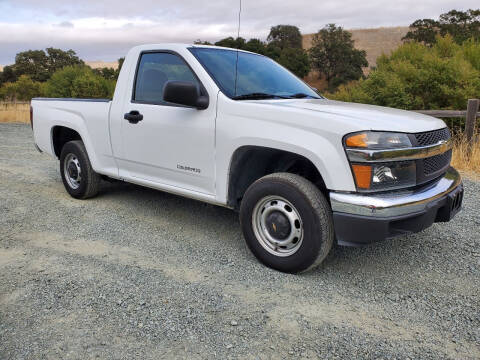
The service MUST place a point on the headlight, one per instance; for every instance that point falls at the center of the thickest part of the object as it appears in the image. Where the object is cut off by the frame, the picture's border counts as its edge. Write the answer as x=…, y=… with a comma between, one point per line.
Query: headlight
x=381, y=176
x=385, y=176
x=378, y=140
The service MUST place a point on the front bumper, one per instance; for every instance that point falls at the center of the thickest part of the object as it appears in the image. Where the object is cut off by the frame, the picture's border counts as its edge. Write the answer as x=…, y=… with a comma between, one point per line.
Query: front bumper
x=365, y=218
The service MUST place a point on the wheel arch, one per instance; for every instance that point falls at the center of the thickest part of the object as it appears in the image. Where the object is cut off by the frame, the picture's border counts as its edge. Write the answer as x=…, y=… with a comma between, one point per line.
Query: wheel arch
x=60, y=135
x=251, y=162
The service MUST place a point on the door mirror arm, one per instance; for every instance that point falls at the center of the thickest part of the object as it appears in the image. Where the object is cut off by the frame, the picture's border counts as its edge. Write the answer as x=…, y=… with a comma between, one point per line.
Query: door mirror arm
x=202, y=102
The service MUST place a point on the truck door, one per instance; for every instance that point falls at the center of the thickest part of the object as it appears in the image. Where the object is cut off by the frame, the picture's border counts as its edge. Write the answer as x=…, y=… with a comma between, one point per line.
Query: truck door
x=170, y=145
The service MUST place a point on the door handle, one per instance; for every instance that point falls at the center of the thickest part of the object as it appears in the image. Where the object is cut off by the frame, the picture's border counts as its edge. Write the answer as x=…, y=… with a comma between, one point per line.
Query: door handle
x=133, y=117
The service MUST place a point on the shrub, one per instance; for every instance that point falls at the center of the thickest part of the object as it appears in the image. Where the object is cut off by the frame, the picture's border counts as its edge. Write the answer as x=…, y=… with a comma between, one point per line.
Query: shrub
x=416, y=76
x=79, y=81
x=24, y=89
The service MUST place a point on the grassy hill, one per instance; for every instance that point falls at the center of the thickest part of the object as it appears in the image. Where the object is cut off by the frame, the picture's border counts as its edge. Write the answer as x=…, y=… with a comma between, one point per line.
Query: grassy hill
x=102, y=64
x=373, y=41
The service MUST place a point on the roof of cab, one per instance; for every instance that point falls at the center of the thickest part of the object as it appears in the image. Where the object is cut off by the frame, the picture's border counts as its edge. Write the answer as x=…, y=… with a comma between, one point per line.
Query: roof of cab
x=176, y=46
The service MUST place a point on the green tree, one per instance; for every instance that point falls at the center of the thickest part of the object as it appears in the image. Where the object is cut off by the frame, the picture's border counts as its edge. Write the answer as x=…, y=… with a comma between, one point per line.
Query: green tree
x=471, y=53
x=8, y=91
x=33, y=63
x=202, y=42
x=423, y=30
x=107, y=73
x=417, y=76
x=334, y=56
x=295, y=60
x=461, y=25
x=91, y=86
x=285, y=36
x=57, y=59
x=79, y=82
x=40, y=65
x=230, y=42
x=256, y=46
x=7, y=75
x=24, y=89
x=119, y=67
x=120, y=63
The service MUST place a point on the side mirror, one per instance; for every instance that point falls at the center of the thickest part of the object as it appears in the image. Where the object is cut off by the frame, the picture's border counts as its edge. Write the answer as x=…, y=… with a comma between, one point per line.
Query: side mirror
x=184, y=93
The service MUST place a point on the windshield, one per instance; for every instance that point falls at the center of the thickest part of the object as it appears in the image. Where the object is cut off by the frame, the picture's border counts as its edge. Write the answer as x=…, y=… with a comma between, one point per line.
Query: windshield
x=257, y=76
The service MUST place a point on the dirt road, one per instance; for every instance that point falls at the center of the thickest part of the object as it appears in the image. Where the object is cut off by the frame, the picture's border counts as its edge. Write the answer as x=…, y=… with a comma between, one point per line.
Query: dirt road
x=137, y=273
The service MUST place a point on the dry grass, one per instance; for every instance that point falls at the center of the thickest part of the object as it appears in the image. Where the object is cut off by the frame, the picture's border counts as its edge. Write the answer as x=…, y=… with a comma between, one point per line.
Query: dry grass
x=14, y=112
x=464, y=159
x=315, y=80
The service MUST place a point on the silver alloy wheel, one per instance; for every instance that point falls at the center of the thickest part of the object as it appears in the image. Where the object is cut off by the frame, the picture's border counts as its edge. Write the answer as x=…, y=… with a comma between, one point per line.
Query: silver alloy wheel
x=72, y=171
x=277, y=226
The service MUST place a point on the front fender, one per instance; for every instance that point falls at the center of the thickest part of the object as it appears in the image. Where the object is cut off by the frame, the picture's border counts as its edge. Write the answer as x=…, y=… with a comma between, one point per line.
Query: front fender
x=330, y=160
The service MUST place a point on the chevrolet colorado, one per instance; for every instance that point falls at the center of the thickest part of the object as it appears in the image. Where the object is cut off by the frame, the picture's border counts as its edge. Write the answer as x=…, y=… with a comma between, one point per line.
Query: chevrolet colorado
x=236, y=129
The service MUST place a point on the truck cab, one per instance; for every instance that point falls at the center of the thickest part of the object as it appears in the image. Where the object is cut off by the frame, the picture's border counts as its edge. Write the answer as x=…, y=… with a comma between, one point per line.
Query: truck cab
x=236, y=129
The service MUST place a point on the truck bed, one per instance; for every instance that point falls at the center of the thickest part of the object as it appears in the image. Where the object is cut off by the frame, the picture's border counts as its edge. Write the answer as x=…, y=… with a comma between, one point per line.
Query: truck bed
x=88, y=117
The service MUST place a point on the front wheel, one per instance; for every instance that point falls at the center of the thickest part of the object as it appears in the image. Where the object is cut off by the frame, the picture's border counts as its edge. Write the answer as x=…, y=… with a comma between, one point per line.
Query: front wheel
x=78, y=176
x=287, y=222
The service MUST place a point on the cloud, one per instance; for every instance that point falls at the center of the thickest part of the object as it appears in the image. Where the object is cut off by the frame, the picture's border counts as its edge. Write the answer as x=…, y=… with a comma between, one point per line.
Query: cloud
x=106, y=29
x=66, y=24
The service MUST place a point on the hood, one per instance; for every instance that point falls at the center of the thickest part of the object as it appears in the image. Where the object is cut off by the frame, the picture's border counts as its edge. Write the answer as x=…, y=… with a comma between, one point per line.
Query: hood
x=368, y=117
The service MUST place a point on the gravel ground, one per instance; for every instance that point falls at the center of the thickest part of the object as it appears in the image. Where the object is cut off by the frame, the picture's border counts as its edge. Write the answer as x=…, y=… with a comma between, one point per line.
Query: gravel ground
x=137, y=273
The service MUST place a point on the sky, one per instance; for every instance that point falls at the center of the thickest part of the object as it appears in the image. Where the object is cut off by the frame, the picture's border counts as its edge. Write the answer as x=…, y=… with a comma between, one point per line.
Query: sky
x=105, y=30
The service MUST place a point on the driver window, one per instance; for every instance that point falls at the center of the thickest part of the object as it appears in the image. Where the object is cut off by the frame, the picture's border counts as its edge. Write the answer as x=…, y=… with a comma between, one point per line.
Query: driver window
x=154, y=70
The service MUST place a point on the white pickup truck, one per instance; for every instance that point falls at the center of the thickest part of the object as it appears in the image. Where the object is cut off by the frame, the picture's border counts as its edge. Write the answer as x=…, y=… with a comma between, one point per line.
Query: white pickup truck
x=236, y=129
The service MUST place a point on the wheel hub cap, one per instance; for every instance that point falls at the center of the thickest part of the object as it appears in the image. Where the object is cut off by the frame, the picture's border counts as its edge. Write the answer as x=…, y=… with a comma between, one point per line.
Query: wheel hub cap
x=72, y=171
x=277, y=226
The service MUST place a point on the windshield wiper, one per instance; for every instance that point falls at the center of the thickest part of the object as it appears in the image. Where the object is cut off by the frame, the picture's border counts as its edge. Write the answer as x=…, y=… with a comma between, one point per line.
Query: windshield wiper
x=301, y=96
x=258, y=96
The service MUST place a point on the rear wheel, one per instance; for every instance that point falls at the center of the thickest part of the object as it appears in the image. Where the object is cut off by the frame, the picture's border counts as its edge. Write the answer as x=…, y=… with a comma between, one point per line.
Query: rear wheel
x=287, y=222
x=78, y=177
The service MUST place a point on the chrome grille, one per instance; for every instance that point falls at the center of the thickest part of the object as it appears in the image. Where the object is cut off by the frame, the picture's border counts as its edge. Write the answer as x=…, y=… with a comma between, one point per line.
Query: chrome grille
x=432, y=137
x=436, y=163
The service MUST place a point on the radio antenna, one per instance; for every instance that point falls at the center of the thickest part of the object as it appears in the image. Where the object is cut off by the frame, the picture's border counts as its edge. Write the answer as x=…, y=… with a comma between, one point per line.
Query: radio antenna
x=239, y=18
x=238, y=36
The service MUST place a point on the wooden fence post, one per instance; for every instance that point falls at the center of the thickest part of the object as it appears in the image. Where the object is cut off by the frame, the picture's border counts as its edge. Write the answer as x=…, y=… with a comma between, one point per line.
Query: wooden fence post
x=470, y=119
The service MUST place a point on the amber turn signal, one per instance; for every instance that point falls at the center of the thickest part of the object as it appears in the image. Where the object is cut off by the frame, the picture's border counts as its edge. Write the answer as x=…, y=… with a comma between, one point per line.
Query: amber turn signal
x=357, y=140
x=363, y=175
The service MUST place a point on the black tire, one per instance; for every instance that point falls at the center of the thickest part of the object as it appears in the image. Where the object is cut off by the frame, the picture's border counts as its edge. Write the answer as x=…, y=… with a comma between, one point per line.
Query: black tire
x=89, y=181
x=315, y=214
